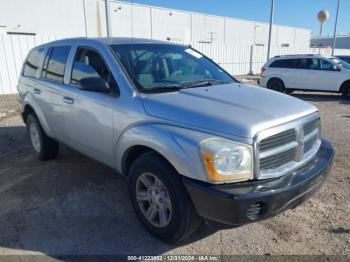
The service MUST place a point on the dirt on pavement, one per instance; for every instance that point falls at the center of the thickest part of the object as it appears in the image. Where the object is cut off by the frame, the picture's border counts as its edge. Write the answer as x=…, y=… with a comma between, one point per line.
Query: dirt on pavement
x=74, y=205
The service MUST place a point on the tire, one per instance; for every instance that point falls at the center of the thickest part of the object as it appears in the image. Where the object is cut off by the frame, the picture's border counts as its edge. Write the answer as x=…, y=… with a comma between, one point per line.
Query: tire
x=276, y=85
x=180, y=219
x=346, y=90
x=45, y=148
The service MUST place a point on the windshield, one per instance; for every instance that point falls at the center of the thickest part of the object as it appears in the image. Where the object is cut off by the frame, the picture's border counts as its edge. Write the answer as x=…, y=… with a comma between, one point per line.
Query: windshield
x=341, y=62
x=166, y=67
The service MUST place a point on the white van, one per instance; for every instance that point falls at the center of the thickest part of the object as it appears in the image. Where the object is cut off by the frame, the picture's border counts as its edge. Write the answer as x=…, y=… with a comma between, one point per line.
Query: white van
x=306, y=72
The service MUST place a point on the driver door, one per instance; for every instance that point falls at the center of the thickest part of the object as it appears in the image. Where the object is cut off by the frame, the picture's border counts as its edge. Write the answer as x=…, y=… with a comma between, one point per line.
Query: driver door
x=90, y=122
x=323, y=76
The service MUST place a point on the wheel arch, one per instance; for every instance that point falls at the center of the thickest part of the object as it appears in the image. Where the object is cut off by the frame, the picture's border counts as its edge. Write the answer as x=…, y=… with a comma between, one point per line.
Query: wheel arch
x=134, y=152
x=30, y=107
x=27, y=110
x=276, y=78
x=343, y=85
x=178, y=146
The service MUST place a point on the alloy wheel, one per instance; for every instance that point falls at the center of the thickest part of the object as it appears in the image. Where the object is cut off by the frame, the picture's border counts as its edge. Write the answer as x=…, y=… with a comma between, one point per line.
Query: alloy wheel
x=153, y=200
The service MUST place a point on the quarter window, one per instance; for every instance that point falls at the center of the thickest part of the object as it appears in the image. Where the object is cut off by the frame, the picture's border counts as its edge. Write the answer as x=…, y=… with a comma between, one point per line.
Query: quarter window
x=55, y=63
x=31, y=65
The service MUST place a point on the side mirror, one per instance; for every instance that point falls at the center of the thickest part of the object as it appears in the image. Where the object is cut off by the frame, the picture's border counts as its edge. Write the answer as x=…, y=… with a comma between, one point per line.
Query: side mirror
x=335, y=68
x=94, y=84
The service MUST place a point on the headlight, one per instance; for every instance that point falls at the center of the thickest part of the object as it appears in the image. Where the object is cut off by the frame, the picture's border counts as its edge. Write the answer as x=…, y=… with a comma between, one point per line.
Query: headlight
x=227, y=161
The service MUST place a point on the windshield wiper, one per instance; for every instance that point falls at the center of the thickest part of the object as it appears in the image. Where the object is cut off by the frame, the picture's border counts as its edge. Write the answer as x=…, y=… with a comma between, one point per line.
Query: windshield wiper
x=161, y=89
x=205, y=82
x=177, y=87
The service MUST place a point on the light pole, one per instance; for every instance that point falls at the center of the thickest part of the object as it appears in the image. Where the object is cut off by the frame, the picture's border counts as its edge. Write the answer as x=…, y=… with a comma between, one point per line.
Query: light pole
x=270, y=29
x=108, y=18
x=335, y=28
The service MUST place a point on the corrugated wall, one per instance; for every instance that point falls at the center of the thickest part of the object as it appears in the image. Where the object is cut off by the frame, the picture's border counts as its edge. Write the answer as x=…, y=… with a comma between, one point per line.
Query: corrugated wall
x=162, y=23
x=237, y=59
x=13, y=51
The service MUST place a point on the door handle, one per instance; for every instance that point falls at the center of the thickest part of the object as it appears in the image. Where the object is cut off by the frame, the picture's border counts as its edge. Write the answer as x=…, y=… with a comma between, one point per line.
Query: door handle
x=36, y=91
x=68, y=100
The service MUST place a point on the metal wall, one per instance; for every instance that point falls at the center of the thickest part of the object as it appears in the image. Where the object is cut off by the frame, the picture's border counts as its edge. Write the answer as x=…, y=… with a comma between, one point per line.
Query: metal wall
x=87, y=18
x=237, y=59
x=161, y=23
x=341, y=41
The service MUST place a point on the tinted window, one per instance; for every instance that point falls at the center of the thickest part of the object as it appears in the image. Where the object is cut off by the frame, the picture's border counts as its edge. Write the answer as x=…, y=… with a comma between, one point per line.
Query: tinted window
x=315, y=64
x=327, y=66
x=305, y=63
x=88, y=63
x=285, y=63
x=346, y=59
x=55, y=63
x=31, y=65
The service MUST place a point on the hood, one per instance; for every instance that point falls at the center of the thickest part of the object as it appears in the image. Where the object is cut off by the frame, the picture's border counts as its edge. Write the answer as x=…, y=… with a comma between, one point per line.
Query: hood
x=233, y=109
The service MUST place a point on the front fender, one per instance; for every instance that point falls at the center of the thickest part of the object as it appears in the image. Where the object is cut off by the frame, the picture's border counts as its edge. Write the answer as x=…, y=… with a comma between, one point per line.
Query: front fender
x=180, y=146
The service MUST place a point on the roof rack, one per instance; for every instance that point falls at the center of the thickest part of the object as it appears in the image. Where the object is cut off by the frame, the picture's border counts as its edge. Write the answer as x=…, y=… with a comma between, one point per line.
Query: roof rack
x=297, y=55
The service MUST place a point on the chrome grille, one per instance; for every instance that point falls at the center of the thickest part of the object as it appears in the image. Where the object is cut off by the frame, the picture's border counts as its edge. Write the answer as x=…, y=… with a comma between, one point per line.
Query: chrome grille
x=309, y=144
x=284, y=148
x=310, y=126
x=278, y=159
x=277, y=140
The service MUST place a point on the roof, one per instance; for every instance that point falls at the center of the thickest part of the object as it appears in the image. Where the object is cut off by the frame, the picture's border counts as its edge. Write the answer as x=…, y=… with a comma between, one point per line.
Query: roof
x=300, y=56
x=111, y=41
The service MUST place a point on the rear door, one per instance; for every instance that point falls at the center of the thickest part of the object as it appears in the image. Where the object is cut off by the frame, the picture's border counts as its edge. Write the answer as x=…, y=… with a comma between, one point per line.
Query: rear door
x=290, y=71
x=301, y=70
x=53, y=91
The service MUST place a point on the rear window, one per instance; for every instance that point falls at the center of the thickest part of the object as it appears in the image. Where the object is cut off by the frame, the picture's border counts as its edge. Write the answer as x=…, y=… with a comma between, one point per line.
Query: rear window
x=285, y=63
x=31, y=65
x=55, y=63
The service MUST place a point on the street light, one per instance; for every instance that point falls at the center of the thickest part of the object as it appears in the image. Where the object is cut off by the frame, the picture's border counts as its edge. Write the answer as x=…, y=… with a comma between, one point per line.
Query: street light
x=270, y=29
x=335, y=28
x=108, y=18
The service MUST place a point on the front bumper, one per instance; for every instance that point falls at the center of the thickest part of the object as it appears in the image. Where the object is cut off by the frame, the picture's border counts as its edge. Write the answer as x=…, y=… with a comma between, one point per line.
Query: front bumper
x=246, y=202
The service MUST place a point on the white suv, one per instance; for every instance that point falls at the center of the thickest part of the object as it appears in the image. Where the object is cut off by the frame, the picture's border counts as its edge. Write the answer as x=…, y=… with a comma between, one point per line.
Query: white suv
x=307, y=73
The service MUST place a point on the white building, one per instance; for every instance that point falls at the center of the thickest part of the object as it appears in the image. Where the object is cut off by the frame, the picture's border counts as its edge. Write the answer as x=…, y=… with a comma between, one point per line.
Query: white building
x=69, y=18
x=239, y=46
x=342, y=41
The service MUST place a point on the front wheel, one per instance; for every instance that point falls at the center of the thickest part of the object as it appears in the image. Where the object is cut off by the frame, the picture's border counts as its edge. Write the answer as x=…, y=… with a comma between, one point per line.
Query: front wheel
x=160, y=199
x=346, y=91
x=276, y=85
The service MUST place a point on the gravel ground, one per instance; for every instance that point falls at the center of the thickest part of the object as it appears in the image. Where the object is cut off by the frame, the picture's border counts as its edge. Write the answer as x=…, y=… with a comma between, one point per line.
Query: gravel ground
x=74, y=205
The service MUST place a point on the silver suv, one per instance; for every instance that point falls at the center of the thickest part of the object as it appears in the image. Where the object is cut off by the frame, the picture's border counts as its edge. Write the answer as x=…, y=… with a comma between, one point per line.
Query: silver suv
x=195, y=144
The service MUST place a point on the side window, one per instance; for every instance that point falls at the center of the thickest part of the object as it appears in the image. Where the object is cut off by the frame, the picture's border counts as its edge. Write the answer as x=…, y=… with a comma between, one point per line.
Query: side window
x=315, y=64
x=293, y=63
x=305, y=63
x=279, y=63
x=286, y=63
x=88, y=63
x=326, y=66
x=55, y=63
x=31, y=65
